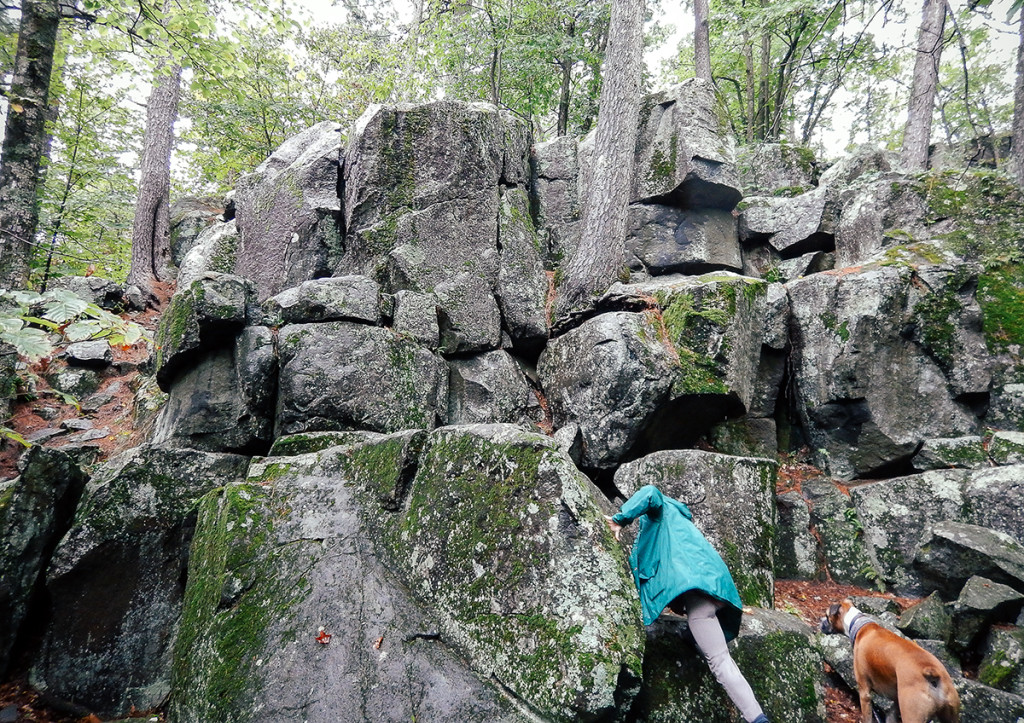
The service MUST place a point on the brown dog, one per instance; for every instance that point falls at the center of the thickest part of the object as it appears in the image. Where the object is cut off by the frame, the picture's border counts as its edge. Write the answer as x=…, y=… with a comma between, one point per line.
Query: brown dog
x=894, y=667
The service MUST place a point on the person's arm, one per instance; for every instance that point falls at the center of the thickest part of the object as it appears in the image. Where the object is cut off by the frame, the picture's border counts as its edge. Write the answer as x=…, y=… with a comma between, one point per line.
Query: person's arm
x=646, y=501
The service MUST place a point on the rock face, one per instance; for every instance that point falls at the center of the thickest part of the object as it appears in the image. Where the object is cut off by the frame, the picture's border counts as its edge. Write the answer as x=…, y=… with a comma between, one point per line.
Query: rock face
x=290, y=614
x=116, y=581
x=868, y=395
x=35, y=510
x=358, y=359
x=341, y=375
x=287, y=212
x=522, y=555
x=592, y=379
x=307, y=545
x=434, y=203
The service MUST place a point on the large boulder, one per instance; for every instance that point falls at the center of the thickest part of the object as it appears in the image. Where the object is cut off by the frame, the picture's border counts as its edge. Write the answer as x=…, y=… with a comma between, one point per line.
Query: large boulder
x=491, y=388
x=555, y=190
x=608, y=376
x=291, y=614
x=502, y=538
x=776, y=168
x=797, y=556
x=664, y=239
x=880, y=364
x=733, y=504
x=432, y=194
x=36, y=509
x=897, y=514
x=684, y=152
x=225, y=402
x=952, y=553
x=775, y=652
x=116, y=581
x=716, y=324
x=190, y=216
x=289, y=214
x=344, y=375
x=791, y=226
x=204, y=315
x=216, y=250
x=1003, y=664
x=834, y=518
x=980, y=703
x=105, y=293
x=346, y=298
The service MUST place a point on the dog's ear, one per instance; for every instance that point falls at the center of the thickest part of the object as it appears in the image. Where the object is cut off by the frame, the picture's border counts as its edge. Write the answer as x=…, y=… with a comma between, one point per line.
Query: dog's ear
x=833, y=610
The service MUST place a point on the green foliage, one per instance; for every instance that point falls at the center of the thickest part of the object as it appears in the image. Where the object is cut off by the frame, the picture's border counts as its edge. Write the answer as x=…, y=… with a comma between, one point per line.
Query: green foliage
x=292, y=80
x=779, y=65
x=86, y=206
x=36, y=324
x=517, y=54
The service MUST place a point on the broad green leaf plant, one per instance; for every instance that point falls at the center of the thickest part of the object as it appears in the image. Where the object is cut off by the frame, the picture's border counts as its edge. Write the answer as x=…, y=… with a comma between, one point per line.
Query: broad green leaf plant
x=37, y=325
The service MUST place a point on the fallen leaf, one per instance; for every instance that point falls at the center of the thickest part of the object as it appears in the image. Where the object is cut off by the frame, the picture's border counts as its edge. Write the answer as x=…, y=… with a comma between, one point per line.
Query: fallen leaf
x=323, y=637
x=380, y=641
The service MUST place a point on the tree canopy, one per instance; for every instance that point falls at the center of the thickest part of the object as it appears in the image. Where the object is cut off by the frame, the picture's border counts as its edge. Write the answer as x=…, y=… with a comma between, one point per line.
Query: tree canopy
x=800, y=71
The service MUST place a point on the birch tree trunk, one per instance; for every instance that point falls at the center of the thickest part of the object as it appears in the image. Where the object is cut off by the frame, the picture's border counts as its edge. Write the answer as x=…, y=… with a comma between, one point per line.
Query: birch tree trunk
x=1017, y=138
x=922, y=90
x=701, y=40
x=25, y=140
x=602, y=250
x=151, y=232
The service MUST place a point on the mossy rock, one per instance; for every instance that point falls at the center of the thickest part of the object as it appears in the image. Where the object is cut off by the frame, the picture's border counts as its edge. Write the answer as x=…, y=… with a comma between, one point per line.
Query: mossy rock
x=292, y=615
x=200, y=316
x=502, y=538
x=116, y=580
x=774, y=651
x=1003, y=664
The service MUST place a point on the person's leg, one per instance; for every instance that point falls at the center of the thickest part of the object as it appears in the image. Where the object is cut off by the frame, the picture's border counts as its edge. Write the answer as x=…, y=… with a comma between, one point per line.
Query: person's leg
x=707, y=631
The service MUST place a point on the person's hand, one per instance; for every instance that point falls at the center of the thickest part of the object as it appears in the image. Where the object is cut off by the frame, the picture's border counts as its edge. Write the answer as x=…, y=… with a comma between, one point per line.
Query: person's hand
x=614, y=526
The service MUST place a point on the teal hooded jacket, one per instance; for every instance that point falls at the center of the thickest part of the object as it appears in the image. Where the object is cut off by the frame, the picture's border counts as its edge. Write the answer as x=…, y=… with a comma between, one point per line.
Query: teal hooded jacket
x=670, y=557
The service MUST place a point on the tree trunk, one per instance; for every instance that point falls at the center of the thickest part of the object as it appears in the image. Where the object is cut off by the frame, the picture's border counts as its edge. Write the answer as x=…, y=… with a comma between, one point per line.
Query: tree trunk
x=701, y=40
x=151, y=247
x=764, y=85
x=25, y=140
x=565, y=93
x=1017, y=139
x=922, y=90
x=602, y=250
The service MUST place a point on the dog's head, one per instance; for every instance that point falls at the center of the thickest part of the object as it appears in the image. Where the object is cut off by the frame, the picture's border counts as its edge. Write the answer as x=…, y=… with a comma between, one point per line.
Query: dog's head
x=834, y=620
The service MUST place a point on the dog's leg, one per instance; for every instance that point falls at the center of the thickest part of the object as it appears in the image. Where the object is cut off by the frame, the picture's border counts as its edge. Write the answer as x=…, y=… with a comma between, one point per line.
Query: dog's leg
x=866, y=709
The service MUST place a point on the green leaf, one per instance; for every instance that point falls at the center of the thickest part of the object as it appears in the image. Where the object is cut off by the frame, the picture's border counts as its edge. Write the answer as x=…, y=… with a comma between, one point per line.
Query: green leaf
x=30, y=343
x=45, y=323
x=9, y=433
x=82, y=330
x=64, y=307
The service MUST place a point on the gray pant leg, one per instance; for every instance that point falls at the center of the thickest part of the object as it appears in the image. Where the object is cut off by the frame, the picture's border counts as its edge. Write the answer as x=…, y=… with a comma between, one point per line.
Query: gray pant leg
x=707, y=631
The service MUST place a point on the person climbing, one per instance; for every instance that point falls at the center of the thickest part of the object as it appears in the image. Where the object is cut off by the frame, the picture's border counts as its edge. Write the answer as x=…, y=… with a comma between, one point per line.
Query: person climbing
x=674, y=566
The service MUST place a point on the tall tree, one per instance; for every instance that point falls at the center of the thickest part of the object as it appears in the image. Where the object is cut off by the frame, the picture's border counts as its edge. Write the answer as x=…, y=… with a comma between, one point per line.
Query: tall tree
x=151, y=232
x=917, y=135
x=701, y=40
x=25, y=139
x=1017, y=137
x=600, y=256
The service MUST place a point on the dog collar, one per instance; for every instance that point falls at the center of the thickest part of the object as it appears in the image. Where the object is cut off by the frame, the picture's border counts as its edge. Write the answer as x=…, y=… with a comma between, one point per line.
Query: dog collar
x=853, y=621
